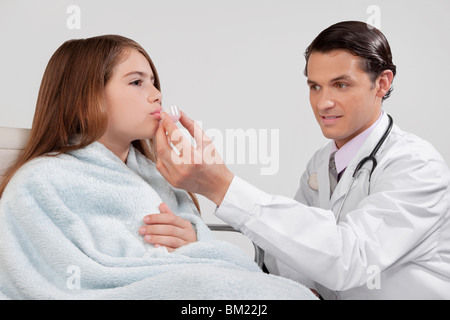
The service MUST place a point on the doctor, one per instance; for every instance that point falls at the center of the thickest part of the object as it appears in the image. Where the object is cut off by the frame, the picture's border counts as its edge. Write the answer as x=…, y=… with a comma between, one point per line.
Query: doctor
x=380, y=231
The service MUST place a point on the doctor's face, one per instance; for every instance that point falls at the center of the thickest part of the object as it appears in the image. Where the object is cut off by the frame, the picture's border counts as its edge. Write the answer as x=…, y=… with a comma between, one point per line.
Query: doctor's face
x=344, y=99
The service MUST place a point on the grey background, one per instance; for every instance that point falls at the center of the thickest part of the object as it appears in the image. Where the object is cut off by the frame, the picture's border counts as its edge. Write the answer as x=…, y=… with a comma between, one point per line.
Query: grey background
x=239, y=64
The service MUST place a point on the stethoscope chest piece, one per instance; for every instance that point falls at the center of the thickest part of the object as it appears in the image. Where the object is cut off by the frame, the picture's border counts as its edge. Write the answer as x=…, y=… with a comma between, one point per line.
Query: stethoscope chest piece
x=313, y=181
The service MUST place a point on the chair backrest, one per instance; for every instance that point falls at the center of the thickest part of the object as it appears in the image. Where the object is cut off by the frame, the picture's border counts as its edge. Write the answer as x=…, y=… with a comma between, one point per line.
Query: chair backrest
x=12, y=141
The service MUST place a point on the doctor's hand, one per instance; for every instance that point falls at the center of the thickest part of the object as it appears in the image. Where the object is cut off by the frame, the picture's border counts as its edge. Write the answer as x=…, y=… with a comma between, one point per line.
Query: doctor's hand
x=168, y=230
x=198, y=170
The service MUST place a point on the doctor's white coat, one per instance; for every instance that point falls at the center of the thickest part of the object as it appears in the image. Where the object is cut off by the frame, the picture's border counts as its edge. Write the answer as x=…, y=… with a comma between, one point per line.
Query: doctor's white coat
x=392, y=240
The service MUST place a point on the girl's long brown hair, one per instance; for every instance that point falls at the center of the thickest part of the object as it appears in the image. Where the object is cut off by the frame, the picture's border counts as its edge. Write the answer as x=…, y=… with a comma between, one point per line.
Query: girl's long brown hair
x=69, y=113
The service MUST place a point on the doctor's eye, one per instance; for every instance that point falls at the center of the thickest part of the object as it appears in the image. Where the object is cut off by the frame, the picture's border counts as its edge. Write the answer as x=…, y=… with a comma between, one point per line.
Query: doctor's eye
x=314, y=87
x=341, y=85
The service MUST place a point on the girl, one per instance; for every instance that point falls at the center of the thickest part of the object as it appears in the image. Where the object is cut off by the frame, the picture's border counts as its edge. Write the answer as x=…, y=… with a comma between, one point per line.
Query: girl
x=81, y=100
x=71, y=208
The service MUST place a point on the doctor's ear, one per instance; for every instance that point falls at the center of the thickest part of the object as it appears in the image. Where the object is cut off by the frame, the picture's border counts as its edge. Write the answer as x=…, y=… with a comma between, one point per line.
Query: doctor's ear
x=384, y=82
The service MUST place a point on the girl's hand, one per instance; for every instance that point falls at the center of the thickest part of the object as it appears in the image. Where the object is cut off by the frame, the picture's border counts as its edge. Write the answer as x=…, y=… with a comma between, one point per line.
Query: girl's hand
x=168, y=230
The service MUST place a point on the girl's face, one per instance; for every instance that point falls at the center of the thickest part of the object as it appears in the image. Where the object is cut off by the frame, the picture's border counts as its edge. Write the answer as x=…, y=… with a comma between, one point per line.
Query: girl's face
x=132, y=102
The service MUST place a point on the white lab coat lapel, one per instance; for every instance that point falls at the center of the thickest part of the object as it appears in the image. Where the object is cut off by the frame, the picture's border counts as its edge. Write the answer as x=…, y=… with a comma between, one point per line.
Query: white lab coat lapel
x=366, y=149
x=324, y=179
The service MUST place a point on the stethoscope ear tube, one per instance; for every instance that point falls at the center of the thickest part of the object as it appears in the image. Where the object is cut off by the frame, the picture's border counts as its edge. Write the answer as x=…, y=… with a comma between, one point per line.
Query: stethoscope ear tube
x=370, y=157
x=362, y=162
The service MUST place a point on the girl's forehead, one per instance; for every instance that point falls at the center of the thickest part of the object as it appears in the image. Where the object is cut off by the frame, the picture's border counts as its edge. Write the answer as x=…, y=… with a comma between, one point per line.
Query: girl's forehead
x=132, y=61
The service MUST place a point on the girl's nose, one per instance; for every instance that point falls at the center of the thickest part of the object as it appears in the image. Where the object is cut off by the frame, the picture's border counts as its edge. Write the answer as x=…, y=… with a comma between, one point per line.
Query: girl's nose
x=155, y=96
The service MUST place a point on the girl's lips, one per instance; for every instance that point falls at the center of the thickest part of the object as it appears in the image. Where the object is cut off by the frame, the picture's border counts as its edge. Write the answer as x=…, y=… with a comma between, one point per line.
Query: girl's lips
x=157, y=114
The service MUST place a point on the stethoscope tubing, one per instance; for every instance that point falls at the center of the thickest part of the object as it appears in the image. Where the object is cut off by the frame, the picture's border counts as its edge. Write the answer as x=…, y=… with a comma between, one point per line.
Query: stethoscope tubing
x=370, y=157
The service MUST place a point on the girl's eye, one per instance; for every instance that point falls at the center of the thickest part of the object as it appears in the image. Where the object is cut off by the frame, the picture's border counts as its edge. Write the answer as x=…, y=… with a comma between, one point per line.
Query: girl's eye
x=137, y=83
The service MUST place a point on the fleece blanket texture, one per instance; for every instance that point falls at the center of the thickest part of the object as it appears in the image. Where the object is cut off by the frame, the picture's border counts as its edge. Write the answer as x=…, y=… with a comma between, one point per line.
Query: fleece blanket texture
x=69, y=230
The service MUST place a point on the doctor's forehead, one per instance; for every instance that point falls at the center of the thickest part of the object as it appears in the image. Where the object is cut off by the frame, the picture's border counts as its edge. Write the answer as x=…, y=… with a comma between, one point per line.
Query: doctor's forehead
x=337, y=64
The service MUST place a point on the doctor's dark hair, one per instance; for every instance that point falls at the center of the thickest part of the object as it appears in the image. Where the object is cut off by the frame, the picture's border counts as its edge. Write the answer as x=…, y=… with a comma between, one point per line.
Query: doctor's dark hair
x=362, y=40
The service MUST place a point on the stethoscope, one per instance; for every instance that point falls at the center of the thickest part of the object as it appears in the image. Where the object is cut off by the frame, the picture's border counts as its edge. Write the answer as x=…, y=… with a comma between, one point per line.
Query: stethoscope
x=370, y=157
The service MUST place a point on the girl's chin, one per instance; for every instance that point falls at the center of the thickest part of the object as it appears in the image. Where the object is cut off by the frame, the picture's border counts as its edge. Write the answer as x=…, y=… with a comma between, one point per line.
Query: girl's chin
x=146, y=134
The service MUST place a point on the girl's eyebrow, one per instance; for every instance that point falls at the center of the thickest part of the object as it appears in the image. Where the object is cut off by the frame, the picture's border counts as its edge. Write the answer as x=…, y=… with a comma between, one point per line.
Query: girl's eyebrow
x=139, y=73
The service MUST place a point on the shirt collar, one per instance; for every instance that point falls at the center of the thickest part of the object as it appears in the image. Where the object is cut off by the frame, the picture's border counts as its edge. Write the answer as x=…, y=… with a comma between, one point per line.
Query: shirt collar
x=348, y=151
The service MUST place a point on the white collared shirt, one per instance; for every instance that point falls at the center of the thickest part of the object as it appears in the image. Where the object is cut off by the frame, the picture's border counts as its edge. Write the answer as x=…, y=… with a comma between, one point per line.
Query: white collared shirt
x=349, y=150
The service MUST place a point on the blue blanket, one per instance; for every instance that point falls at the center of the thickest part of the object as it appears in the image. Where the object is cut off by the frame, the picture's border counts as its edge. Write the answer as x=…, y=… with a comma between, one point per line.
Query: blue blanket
x=69, y=230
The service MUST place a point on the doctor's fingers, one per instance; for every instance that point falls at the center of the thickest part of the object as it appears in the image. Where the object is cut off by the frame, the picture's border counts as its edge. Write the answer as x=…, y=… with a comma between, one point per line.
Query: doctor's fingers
x=162, y=145
x=174, y=148
x=164, y=163
x=200, y=137
x=167, y=133
x=179, y=171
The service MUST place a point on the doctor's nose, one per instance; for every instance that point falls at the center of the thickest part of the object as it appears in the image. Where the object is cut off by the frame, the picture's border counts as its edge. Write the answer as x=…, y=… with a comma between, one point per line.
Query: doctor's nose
x=324, y=102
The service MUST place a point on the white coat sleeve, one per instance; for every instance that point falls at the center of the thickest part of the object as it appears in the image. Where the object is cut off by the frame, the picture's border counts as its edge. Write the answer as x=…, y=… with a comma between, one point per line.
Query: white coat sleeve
x=398, y=222
x=287, y=229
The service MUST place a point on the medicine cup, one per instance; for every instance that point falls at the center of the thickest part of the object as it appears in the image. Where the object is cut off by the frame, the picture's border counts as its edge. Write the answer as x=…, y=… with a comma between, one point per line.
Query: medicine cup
x=173, y=112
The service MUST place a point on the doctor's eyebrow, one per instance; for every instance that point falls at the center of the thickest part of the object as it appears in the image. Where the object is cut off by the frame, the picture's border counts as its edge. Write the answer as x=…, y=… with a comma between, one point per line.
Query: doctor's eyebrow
x=340, y=78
